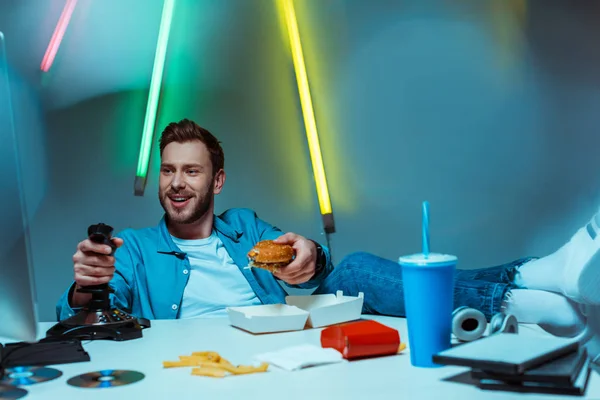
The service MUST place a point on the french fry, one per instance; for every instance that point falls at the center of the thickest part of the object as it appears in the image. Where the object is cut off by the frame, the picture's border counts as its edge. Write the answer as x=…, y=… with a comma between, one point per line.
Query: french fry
x=248, y=369
x=210, y=363
x=211, y=355
x=193, y=359
x=239, y=370
x=225, y=362
x=212, y=372
x=203, y=359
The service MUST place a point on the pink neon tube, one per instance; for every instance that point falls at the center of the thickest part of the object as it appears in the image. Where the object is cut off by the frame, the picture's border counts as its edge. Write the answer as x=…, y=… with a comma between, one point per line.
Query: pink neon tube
x=58, y=34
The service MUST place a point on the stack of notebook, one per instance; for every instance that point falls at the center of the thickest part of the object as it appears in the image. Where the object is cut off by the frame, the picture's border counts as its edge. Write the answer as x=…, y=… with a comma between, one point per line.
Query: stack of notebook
x=518, y=363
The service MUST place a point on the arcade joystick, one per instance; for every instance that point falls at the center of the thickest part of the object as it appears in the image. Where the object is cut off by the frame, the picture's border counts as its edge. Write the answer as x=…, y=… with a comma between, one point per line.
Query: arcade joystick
x=98, y=319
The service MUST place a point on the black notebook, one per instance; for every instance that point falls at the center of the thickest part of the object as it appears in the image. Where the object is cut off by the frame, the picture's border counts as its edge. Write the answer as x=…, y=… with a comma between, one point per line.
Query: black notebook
x=561, y=371
x=578, y=388
x=507, y=353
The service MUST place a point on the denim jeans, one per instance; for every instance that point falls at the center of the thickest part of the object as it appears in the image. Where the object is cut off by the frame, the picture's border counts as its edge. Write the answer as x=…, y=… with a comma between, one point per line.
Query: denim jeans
x=381, y=282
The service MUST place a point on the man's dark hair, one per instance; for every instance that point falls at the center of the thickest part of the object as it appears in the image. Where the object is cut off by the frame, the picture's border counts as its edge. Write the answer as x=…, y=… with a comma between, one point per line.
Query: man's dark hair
x=187, y=131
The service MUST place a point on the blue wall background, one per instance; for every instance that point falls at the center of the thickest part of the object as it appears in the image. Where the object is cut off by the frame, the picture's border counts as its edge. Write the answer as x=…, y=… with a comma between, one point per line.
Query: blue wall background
x=489, y=110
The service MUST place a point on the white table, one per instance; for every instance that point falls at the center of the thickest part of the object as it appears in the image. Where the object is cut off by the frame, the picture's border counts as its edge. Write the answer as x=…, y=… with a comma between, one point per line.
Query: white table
x=377, y=378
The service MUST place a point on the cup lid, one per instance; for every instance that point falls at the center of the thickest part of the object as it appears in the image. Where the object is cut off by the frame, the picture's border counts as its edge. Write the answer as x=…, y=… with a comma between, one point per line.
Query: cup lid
x=431, y=260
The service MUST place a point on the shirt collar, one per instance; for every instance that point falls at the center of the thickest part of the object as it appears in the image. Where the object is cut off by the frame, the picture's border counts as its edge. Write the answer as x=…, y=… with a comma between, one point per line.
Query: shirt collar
x=166, y=244
x=227, y=230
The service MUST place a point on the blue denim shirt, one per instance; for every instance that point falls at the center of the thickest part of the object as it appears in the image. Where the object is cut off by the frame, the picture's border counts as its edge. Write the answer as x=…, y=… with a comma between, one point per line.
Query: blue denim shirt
x=151, y=271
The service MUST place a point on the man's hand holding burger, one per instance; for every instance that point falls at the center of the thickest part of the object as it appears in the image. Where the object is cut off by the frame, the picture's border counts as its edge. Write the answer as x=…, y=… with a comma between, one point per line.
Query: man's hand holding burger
x=294, y=267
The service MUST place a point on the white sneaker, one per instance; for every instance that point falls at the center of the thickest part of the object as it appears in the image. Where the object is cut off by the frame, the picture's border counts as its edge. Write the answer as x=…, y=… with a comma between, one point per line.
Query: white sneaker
x=581, y=275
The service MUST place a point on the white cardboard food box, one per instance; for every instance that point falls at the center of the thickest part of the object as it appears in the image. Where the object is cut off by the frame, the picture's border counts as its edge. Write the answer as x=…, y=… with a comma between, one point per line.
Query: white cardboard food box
x=318, y=310
x=268, y=318
x=328, y=309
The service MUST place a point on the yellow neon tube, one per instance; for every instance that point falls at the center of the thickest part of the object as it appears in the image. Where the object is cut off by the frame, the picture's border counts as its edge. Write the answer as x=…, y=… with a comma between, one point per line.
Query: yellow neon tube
x=287, y=8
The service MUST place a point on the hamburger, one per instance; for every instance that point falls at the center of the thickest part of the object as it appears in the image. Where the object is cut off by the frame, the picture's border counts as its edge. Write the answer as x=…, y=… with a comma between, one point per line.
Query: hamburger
x=270, y=256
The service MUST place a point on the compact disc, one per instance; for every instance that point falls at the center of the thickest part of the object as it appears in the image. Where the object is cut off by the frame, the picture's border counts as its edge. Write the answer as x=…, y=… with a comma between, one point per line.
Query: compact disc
x=8, y=392
x=106, y=378
x=19, y=376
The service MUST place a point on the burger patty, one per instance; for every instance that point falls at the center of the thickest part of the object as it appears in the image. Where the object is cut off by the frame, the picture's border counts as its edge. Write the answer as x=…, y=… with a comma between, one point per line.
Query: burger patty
x=272, y=267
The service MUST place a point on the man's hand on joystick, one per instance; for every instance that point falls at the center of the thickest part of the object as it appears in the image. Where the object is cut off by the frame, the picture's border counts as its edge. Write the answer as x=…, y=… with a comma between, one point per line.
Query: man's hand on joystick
x=93, y=264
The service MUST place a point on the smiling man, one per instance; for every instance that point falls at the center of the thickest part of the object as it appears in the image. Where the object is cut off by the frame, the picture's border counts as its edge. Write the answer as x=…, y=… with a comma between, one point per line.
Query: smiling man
x=192, y=263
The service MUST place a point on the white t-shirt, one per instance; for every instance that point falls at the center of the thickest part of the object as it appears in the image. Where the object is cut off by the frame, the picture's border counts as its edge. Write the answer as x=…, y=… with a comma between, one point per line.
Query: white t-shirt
x=215, y=281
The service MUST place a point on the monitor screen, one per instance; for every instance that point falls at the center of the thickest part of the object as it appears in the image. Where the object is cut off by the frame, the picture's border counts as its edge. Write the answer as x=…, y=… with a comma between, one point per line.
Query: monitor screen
x=18, y=316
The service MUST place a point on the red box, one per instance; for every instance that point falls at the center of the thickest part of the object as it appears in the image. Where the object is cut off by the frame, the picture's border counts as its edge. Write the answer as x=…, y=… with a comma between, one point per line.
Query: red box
x=361, y=339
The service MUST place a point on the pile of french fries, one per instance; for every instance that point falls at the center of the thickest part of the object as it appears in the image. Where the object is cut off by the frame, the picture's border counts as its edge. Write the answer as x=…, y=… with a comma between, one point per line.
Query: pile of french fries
x=210, y=363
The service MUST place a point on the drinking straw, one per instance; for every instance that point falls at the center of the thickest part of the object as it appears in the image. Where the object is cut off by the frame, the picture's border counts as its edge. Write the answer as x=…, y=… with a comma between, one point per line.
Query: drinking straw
x=425, y=229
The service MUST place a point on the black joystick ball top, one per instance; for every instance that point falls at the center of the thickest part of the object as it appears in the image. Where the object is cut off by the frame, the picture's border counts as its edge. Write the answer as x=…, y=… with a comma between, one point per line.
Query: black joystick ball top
x=102, y=233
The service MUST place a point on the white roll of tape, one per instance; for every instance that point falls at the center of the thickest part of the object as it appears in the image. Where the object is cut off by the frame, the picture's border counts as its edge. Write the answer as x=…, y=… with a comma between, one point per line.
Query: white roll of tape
x=468, y=324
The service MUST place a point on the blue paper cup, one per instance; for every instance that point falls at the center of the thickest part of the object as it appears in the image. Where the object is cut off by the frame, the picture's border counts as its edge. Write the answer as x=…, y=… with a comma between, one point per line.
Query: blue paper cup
x=428, y=301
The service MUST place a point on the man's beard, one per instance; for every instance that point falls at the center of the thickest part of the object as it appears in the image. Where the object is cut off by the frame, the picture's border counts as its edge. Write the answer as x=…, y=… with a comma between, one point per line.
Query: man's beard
x=182, y=216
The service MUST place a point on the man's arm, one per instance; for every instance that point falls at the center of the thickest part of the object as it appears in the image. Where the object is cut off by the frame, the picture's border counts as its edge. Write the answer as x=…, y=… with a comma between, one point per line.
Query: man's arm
x=323, y=257
x=324, y=265
x=322, y=270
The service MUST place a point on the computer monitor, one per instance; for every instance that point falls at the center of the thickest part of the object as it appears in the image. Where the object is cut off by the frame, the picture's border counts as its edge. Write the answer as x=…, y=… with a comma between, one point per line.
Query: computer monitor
x=18, y=314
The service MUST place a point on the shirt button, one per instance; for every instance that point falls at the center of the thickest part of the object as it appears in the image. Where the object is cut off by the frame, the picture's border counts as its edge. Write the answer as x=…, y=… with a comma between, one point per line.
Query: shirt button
x=174, y=306
x=185, y=271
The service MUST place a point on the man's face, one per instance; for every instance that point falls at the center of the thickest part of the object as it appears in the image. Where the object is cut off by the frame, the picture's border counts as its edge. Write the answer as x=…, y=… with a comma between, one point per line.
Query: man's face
x=186, y=185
